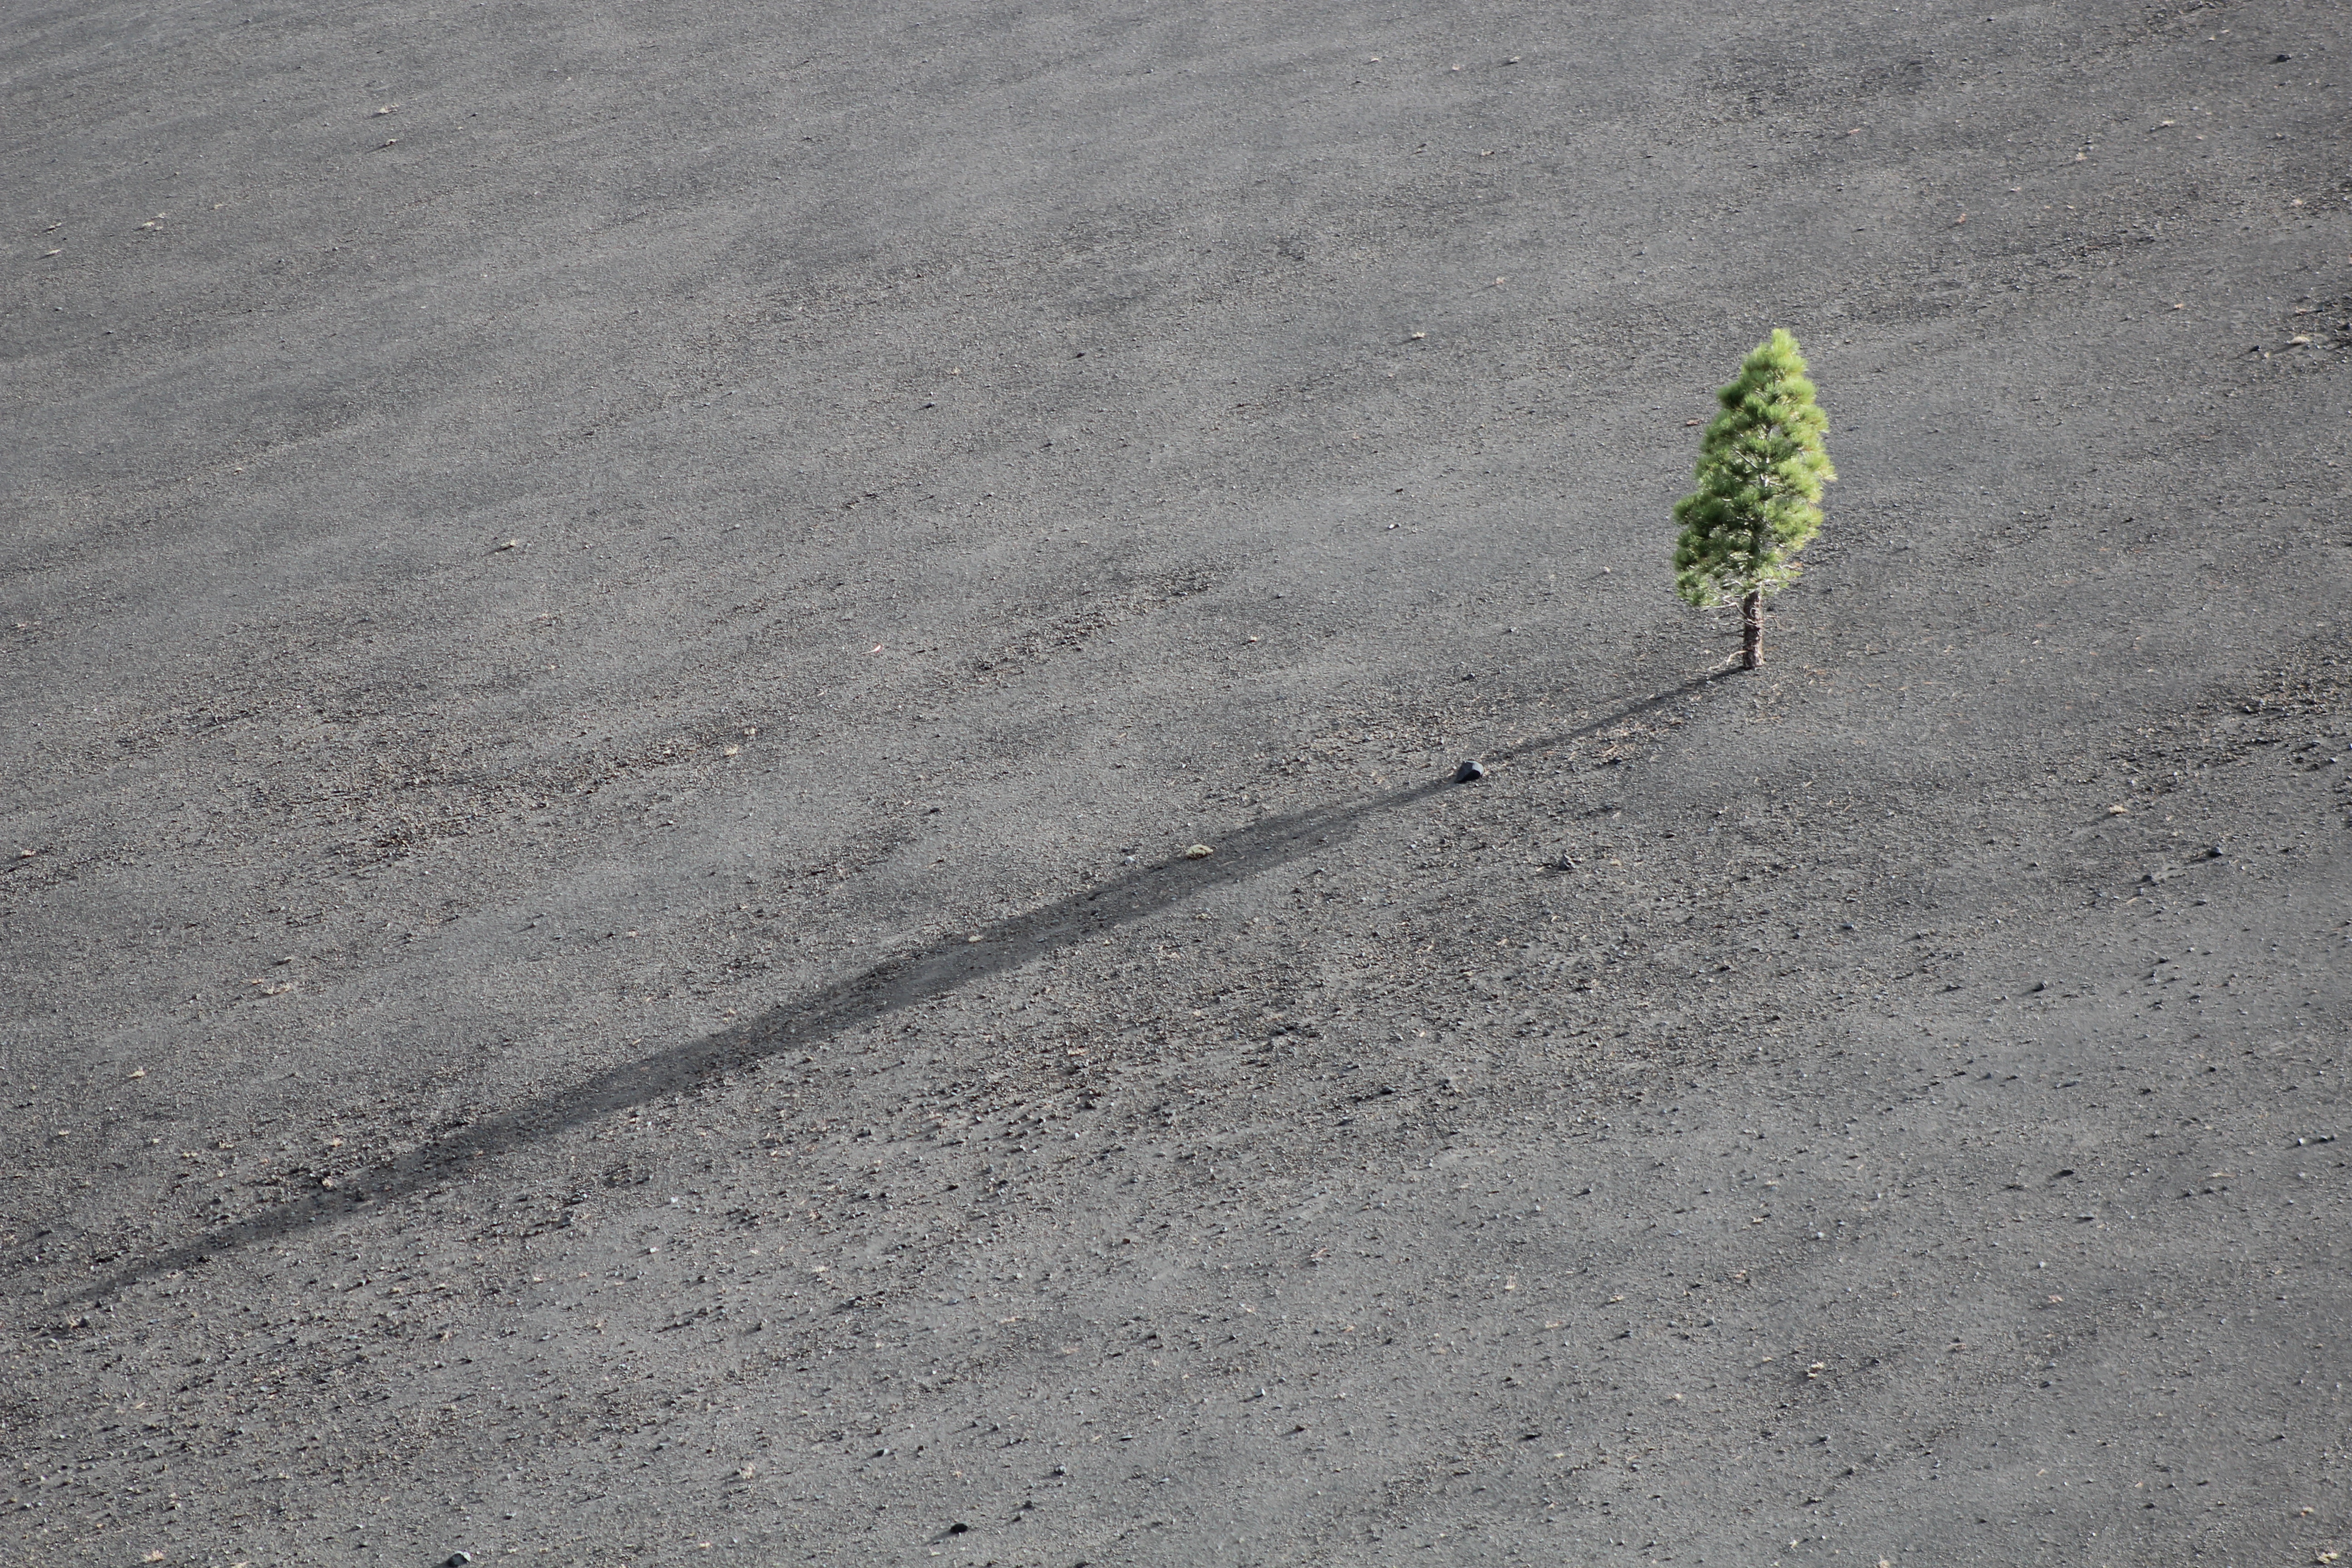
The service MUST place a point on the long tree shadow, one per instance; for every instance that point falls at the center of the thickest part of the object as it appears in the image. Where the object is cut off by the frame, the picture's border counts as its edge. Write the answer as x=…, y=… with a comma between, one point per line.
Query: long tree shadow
x=844, y=1005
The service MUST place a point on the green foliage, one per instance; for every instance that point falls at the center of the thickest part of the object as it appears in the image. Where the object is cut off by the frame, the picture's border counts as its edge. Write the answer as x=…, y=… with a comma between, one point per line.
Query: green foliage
x=1761, y=467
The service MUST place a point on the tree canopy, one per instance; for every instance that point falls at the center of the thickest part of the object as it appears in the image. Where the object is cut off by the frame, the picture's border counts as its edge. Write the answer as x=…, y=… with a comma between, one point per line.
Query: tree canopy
x=1761, y=467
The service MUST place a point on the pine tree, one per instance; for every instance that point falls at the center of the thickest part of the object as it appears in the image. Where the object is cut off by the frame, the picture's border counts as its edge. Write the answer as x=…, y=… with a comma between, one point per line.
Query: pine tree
x=1762, y=466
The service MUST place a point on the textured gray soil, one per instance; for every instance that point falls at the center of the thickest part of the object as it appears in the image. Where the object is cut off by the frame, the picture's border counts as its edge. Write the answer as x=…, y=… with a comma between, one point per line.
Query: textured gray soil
x=617, y=619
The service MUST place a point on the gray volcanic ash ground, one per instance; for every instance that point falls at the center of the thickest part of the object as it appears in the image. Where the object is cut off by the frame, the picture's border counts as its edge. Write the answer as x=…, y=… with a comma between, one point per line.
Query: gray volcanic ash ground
x=616, y=621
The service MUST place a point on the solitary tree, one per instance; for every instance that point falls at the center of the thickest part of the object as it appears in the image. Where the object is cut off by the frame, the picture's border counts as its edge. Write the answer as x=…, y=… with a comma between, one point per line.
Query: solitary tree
x=1762, y=466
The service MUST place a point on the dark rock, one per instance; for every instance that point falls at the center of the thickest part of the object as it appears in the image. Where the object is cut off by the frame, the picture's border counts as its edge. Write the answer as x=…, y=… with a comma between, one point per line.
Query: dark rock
x=1470, y=771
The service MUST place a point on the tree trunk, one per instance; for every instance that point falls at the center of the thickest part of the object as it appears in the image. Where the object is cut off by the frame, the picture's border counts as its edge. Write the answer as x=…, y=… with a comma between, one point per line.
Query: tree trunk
x=1751, y=631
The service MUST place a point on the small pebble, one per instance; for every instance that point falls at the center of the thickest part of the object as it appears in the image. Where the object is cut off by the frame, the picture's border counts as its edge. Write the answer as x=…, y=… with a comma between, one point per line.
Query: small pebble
x=1199, y=852
x=1470, y=771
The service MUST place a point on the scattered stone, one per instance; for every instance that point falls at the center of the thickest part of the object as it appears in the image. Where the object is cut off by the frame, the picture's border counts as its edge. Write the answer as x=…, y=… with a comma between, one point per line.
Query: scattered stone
x=456, y=1559
x=1470, y=771
x=1199, y=852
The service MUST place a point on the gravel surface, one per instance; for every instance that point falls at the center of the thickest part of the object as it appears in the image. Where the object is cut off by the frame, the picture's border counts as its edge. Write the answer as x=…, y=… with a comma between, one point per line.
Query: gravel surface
x=731, y=746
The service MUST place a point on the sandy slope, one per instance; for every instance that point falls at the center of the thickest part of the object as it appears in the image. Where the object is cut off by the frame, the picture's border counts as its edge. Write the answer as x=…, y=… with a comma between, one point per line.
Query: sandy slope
x=616, y=623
